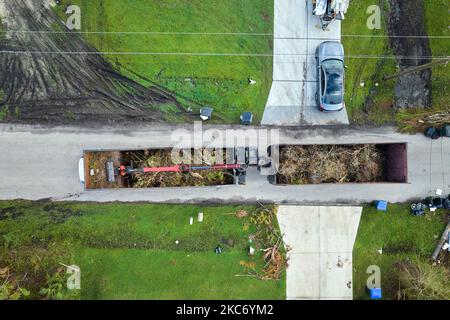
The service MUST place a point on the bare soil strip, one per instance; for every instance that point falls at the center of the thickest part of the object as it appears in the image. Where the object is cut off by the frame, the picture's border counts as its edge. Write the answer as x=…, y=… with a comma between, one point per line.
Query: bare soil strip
x=59, y=88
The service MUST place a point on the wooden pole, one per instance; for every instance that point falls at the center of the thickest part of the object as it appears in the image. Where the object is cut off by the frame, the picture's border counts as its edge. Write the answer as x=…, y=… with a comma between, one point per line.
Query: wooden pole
x=441, y=242
x=418, y=68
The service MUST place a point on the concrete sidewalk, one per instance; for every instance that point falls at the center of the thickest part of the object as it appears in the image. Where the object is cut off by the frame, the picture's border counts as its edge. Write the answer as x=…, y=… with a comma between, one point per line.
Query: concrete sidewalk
x=297, y=33
x=321, y=241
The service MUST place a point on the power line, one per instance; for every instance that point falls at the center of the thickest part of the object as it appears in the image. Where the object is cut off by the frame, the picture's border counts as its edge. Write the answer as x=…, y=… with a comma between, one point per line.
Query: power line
x=220, y=54
x=174, y=33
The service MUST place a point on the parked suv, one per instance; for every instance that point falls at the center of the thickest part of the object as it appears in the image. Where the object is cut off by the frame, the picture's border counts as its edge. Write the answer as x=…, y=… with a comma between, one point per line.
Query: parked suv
x=330, y=76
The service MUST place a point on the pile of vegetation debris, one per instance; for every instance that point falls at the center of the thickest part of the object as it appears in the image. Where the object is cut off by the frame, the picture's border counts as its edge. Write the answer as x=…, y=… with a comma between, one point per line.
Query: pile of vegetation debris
x=316, y=164
x=163, y=158
x=268, y=240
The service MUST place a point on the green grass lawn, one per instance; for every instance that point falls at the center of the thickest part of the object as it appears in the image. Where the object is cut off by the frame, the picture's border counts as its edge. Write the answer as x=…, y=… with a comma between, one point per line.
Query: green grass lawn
x=378, y=108
x=400, y=235
x=219, y=81
x=436, y=18
x=129, y=251
x=156, y=274
x=371, y=103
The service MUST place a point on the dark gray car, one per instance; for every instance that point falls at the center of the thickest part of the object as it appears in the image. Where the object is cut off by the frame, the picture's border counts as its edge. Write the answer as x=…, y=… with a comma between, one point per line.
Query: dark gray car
x=330, y=76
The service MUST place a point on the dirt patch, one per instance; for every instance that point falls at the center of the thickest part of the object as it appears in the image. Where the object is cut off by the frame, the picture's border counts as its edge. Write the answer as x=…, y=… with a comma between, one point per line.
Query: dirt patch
x=58, y=214
x=9, y=213
x=57, y=78
x=409, y=40
x=398, y=248
x=330, y=164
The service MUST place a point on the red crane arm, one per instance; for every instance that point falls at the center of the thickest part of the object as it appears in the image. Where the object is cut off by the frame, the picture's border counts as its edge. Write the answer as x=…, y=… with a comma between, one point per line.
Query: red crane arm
x=162, y=169
x=124, y=170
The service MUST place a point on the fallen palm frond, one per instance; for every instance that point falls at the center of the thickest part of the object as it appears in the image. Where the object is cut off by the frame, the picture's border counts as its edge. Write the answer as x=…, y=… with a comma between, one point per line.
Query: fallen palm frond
x=330, y=164
x=276, y=262
x=422, y=281
x=412, y=121
x=270, y=242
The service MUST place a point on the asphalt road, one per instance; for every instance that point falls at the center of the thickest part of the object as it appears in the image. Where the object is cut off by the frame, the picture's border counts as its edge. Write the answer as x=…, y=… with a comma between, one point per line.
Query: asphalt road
x=42, y=163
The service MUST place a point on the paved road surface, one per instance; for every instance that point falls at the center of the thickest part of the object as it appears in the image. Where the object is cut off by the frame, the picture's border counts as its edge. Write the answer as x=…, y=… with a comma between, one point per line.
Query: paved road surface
x=297, y=33
x=42, y=163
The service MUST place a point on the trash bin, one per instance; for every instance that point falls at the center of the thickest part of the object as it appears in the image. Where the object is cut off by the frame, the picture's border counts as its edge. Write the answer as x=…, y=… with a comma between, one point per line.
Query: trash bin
x=206, y=113
x=382, y=205
x=432, y=133
x=437, y=203
x=375, y=293
x=247, y=118
x=445, y=131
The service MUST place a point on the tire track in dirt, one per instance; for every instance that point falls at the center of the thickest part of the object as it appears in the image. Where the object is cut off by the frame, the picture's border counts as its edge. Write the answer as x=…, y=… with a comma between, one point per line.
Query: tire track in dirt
x=58, y=88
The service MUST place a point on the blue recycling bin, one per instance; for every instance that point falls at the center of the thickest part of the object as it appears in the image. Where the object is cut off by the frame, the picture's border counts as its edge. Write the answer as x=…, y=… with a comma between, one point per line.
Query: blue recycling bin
x=382, y=205
x=375, y=293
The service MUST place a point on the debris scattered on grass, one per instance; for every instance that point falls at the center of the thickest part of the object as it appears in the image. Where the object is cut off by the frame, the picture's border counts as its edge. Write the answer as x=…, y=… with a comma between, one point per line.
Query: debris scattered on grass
x=241, y=214
x=268, y=240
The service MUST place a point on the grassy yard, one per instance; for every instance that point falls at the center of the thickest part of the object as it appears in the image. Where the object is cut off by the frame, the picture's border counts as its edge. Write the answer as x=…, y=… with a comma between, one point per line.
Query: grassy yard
x=436, y=18
x=401, y=236
x=368, y=103
x=219, y=81
x=129, y=251
x=371, y=103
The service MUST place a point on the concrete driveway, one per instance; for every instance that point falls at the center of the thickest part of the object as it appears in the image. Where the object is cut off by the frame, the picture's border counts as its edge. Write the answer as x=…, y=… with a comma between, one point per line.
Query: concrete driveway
x=297, y=33
x=321, y=241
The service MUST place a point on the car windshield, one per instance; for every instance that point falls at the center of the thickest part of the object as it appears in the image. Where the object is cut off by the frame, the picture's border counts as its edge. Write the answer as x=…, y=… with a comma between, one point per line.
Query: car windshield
x=335, y=81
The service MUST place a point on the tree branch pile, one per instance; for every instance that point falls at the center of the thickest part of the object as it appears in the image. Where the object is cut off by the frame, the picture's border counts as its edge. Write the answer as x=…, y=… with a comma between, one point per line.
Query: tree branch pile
x=330, y=164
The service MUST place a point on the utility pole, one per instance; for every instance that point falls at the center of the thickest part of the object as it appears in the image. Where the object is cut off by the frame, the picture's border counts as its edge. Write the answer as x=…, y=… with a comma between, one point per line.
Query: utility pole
x=418, y=68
